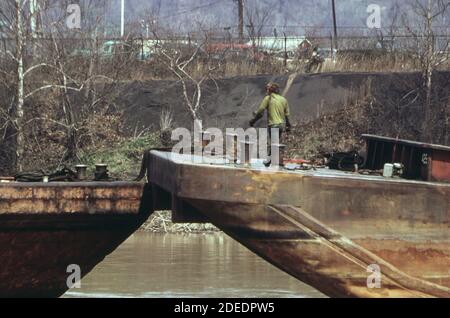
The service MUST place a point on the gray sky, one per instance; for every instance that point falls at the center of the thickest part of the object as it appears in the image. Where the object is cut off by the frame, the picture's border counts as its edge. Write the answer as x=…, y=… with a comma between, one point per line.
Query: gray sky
x=293, y=14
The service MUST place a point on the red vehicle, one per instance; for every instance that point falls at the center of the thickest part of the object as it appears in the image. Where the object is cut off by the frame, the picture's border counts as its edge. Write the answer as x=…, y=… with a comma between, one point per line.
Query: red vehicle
x=233, y=51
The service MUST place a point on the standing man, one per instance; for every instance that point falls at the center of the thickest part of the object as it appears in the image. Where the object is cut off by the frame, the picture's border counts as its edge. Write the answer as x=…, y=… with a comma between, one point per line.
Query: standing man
x=278, y=111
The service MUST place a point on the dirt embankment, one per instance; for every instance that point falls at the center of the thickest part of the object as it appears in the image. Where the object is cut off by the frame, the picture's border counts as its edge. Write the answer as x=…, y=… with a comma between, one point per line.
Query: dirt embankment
x=230, y=102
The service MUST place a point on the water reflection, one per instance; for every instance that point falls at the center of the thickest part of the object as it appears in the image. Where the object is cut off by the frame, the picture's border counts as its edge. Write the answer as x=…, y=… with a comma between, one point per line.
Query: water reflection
x=156, y=265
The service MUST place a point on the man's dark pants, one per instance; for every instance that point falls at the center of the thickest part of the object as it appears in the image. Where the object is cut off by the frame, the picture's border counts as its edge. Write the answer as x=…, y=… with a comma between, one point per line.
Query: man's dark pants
x=280, y=129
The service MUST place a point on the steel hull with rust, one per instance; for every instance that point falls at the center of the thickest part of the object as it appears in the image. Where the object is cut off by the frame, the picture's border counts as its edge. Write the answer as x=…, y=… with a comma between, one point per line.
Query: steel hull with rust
x=45, y=228
x=326, y=229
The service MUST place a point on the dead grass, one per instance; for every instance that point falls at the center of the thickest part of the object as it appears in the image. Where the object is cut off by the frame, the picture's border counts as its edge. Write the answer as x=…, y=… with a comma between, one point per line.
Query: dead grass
x=385, y=63
x=347, y=63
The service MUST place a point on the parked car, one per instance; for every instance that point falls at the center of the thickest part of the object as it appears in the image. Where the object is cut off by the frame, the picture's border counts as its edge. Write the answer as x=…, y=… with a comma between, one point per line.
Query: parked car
x=328, y=54
x=228, y=51
x=116, y=48
x=290, y=58
x=109, y=49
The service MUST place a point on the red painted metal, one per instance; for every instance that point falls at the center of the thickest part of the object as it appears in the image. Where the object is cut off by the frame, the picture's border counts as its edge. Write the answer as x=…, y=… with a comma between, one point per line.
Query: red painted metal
x=440, y=166
x=422, y=161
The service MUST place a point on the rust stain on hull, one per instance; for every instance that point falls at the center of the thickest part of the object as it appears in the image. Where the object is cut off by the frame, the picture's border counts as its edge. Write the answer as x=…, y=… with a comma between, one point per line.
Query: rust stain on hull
x=327, y=261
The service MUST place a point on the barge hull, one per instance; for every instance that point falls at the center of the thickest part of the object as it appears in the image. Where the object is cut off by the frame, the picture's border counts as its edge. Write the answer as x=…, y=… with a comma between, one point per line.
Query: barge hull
x=399, y=225
x=46, y=228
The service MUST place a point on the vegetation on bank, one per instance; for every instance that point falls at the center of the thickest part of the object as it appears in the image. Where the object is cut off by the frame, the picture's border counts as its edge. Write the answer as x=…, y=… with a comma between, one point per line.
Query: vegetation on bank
x=124, y=158
x=340, y=131
x=395, y=113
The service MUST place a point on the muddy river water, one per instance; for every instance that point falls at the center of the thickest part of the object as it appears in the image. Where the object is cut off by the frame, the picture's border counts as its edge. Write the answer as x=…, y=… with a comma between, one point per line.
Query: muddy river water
x=190, y=266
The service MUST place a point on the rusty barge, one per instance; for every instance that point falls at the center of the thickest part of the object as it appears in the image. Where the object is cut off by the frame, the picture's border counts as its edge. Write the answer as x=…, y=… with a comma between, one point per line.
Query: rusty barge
x=47, y=227
x=326, y=228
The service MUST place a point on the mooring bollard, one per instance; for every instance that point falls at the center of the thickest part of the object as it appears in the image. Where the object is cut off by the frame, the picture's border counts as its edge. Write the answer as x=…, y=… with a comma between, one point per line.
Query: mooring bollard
x=81, y=172
x=101, y=172
x=232, y=147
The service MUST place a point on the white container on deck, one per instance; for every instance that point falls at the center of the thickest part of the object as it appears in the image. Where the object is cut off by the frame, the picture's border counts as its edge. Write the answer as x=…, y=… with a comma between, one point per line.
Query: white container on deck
x=388, y=171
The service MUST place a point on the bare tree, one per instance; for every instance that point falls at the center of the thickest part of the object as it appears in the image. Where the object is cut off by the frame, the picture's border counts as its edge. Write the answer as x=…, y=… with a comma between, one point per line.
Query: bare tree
x=96, y=81
x=256, y=17
x=22, y=30
x=56, y=71
x=178, y=55
x=431, y=52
